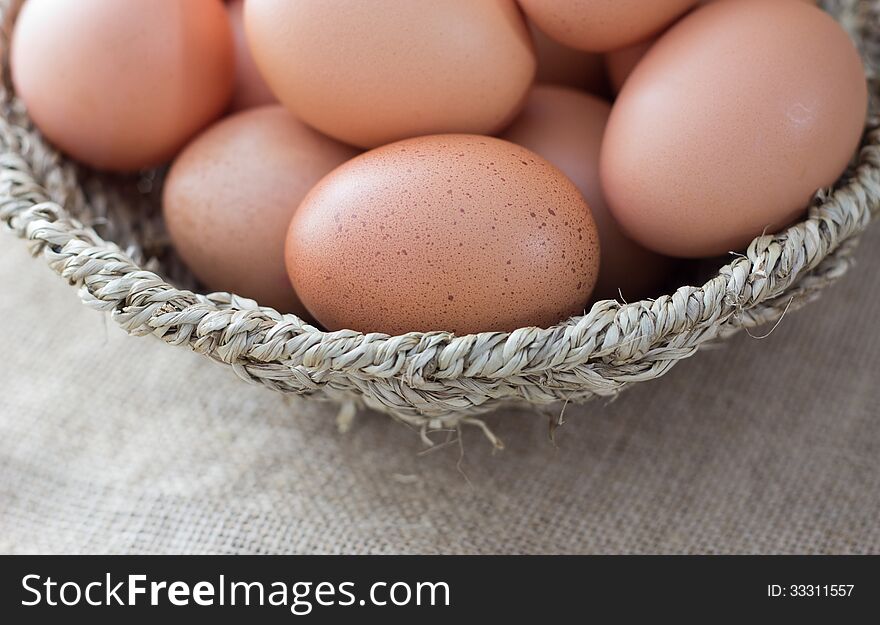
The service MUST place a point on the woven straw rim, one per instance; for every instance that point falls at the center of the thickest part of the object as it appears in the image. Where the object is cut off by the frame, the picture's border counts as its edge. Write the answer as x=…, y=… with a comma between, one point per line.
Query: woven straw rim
x=437, y=380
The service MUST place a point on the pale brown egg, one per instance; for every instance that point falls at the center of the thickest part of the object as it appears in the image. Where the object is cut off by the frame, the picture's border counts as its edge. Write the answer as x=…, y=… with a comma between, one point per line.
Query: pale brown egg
x=565, y=126
x=122, y=84
x=369, y=73
x=561, y=65
x=603, y=25
x=707, y=146
x=250, y=89
x=232, y=192
x=461, y=233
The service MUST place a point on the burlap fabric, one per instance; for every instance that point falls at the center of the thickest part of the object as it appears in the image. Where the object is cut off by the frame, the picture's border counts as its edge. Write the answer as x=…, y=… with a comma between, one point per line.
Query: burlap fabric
x=110, y=443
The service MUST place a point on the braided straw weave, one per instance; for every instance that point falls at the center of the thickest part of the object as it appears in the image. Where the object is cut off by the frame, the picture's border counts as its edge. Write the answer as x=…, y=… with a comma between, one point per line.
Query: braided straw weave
x=104, y=236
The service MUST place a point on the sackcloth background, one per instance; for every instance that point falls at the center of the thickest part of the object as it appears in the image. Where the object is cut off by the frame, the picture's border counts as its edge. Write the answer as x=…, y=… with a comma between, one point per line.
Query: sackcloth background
x=116, y=444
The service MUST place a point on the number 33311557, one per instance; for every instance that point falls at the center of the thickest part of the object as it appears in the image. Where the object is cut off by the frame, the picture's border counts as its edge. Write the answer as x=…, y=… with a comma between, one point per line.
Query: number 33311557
x=810, y=590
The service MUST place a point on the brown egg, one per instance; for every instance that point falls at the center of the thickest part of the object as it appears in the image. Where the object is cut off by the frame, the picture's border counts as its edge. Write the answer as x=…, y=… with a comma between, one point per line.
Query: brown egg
x=122, y=84
x=603, y=25
x=621, y=63
x=461, y=233
x=230, y=196
x=250, y=89
x=565, y=126
x=730, y=123
x=560, y=65
x=369, y=73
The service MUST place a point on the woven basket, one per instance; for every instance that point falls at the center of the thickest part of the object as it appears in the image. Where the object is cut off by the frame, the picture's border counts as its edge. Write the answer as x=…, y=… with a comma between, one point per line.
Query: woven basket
x=104, y=235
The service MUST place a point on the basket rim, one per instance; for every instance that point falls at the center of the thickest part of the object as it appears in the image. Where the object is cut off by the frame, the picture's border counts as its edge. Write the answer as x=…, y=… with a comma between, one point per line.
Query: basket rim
x=620, y=341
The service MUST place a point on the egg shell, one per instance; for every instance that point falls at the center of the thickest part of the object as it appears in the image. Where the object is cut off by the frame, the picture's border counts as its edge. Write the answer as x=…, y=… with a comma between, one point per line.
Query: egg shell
x=122, y=84
x=603, y=25
x=460, y=233
x=730, y=123
x=561, y=65
x=250, y=88
x=565, y=126
x=230, y=195
x=369, y=73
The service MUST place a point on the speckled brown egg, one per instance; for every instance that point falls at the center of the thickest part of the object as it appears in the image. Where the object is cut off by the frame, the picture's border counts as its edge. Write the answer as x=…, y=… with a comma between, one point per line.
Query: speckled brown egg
x=231, y=193
x=565, y=126
x=461, y=233
x=369, y=73
x=603, y=25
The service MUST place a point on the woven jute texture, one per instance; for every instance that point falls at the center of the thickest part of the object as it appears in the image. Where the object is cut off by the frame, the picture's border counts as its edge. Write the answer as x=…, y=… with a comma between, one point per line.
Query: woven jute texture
x=109, y=444
x=103, y=236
